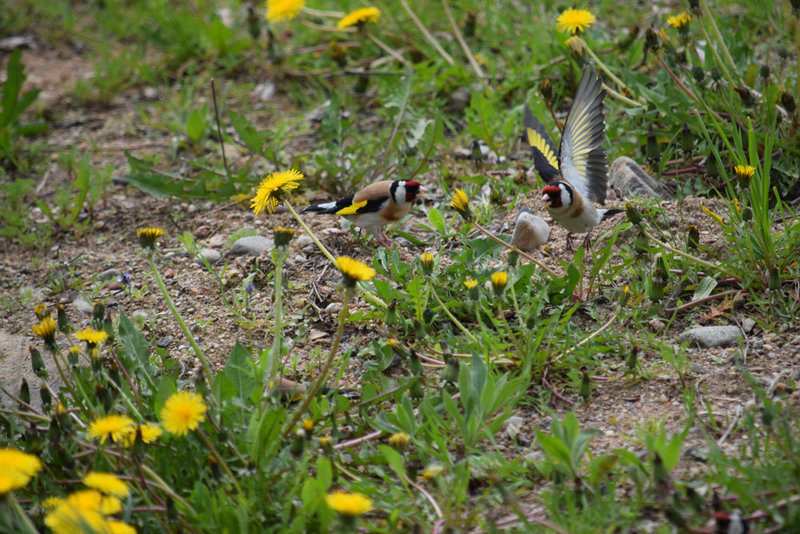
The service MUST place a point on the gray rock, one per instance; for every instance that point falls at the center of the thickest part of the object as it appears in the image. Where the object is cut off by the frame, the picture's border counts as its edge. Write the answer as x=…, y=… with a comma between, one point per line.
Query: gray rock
x=210, y=254
x=303, y=241
x=712, y=336
x=656, y=325
x=81, y=305
x=216, y=241
x=15, y=364
x=629, y=179
x=164, y=342
x=530, y=231
x=110, y=274
x=748, y=324
x=252, y=245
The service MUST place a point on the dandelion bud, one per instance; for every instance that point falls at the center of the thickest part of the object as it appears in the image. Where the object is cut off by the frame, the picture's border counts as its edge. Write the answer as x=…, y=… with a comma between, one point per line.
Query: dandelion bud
x=764, y=72
x=656, y=290
x=72, y=355
x=585, y=389
x=692, y=237
x=24, y=392
x=652, y=152
x=651, y=41
x=716, y=76
x=629, y=39
x=788, y=102
x=47, y=398
x=712, y=166
x=774, y=279
x=513, y=258
x=469, y=25
x=298, y=443
x=747, y=214
x=746, y=96
x=694, y=5
x=687, y=141
x=416, y=391
x=427, y=262
x=546, y=88
x=624, y=295
x=641, y=245
x=499, y=280
x=633, y=214
x=698, y=73
x=98, y=314
x=399, y=441
x=338, y=53
x=283, y=236
x=362, y=83
x=633, y=359
x=414, y=363
x=37, y=363
x=450, y=371
x=63, y=321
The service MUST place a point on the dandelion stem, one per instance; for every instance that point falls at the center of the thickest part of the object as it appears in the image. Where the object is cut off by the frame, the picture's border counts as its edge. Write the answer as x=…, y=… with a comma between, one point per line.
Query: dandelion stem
x=179, y=319
x=223, y=463
x=431, y=39
x=460, y=38
x=365, y=293
x=608, y=73
x=321, y=379
x=714, y=49
x=275, y=353
x=718, y=35
x=451, y=316
x=29, y=527
x=512, y=248
x=167, y=489
x=386, y=48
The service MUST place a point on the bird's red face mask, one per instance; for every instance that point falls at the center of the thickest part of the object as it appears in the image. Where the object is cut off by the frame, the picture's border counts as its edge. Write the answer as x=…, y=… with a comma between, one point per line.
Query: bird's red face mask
x=551, y=196
x=413, y=189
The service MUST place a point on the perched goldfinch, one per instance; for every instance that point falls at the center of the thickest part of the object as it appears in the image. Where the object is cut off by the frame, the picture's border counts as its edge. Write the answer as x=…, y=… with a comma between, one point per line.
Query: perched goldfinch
x=577, y=174
x=375, y=206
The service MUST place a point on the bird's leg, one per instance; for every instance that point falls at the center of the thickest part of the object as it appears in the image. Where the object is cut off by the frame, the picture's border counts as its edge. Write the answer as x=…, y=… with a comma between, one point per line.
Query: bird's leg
x=384, y=239
x=569, y=241
x=587, y=243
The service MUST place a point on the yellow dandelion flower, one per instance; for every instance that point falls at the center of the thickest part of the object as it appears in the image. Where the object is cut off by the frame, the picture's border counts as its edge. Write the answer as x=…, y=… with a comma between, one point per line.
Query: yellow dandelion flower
x=432, y=472
x=51, y=503
x=24, y=463
x=325, y=442
x=183, y=411
x=399, y=440
x=283, y=235
x=680, y=20
x=349, y=504
x=392, y=342
x=46, y=329
x=149, y=236
x=499, y=281
x=68, y=518
x=273, y=189
x=113, y=426
x=460, y=202
x=107, y=483
x=716, y=218
x=150, y=433
x=41, y=311
x=744, y=172
x=360, y=16
x=469, y=283
x=427, y=260
x=354, y=270
x=278, y=10
x=308, y=425
x=574, y=21
x=91, y=336
x=11, y=479
x=118, y=527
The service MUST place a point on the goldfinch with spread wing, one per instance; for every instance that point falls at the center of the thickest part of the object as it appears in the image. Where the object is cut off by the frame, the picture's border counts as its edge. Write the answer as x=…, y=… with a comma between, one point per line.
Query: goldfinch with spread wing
x=375, y=206
x=577, y=173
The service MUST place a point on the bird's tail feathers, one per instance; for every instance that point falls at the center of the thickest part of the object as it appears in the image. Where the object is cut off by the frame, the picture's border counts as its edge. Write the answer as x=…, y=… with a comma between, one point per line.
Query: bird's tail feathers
x=606, y=213
x=328, y=207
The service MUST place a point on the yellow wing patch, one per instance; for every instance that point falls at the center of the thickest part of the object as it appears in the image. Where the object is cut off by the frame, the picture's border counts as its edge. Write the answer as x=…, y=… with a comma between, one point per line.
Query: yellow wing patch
x=352, y=209
x=539, y=143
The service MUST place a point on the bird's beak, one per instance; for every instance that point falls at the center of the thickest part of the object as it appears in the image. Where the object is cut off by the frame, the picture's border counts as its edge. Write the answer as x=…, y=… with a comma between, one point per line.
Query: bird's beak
x=546, y=198
x=420, y=194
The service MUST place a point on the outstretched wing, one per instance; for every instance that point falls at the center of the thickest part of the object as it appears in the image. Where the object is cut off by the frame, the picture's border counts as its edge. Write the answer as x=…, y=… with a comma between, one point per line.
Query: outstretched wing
x=584, y=161
x=545, y=160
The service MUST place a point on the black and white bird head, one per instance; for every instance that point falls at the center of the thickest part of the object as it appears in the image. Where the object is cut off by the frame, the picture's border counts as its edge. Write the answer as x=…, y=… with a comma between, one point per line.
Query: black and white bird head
x=405, y=191
x=557, y=195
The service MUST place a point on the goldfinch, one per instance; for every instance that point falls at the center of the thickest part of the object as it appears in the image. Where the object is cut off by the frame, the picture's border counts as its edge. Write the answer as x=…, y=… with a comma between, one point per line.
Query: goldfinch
x=375, y=206
x=577, y=174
